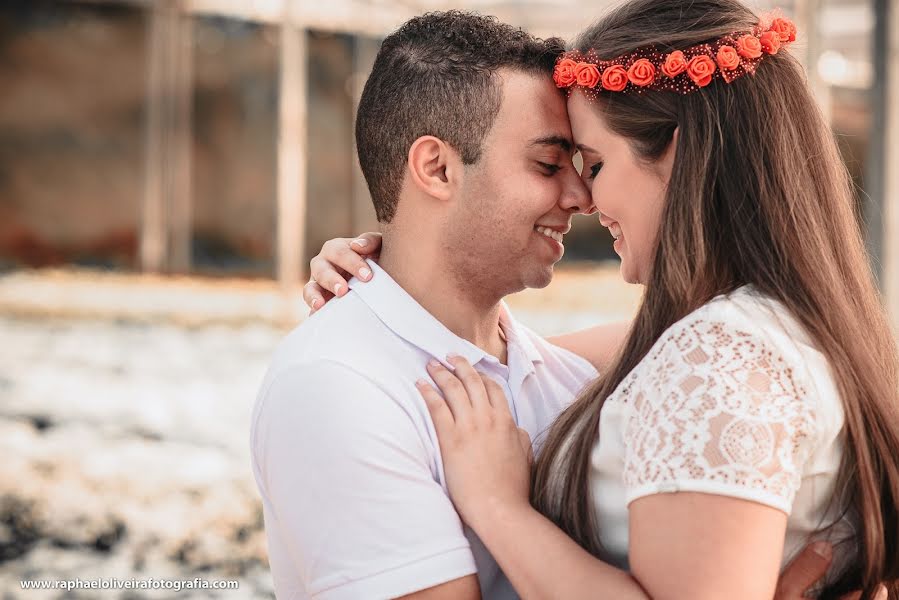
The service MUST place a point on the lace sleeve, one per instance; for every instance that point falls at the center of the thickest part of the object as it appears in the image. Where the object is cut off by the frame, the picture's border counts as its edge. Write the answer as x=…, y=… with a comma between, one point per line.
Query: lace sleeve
x=717, y=410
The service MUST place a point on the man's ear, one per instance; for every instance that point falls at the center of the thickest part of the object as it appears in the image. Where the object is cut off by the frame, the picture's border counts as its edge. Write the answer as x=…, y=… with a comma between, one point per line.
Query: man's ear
x=434, y=167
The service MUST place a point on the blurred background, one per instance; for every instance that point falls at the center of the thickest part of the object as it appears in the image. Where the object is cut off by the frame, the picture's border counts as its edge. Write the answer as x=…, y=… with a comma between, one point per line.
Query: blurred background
x=167, y=170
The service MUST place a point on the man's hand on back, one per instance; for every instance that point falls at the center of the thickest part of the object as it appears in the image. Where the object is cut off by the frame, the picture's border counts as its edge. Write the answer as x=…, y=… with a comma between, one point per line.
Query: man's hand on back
x=806, y=569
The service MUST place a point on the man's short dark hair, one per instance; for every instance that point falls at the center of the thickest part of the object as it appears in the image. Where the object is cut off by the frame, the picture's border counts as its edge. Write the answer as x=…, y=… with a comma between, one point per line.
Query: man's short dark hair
x=435, y=76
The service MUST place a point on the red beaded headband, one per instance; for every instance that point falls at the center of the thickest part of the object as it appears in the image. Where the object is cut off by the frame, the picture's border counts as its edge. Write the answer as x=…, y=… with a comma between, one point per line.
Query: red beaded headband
x=682, y=71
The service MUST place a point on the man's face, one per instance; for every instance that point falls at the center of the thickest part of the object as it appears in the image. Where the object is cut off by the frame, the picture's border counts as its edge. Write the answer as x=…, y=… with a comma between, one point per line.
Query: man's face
x=524, y=182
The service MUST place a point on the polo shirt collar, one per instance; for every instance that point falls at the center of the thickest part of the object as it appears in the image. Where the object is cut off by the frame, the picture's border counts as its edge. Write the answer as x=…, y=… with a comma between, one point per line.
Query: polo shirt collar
x=409, y=320
x=516, y=335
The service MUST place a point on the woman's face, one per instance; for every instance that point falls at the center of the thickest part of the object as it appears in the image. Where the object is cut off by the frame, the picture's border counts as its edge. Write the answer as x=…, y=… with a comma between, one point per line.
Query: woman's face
x=628, y=192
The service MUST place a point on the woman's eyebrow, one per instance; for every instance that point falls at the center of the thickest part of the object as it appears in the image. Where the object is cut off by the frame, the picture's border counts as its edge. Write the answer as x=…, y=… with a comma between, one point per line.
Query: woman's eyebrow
x=586, y=148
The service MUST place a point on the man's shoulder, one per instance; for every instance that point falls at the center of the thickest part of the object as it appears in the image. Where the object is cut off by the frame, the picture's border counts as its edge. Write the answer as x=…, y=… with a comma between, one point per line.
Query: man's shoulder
x=335, y=397
x=345, y=331
x=342, y=357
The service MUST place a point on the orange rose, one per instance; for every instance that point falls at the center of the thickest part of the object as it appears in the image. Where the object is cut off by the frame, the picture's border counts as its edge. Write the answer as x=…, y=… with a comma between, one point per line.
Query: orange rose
x=785, y=29
x=749, y=46
x=700, y=69
x=675, y=64
x=642, y=73
x=614, y=78
x=728, y=58
x=770, y=41
x=587, y=74
x=564, y=73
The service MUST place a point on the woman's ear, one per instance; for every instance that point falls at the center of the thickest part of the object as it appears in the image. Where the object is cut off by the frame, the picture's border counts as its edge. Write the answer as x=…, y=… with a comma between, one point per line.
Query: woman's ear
x=434, y=167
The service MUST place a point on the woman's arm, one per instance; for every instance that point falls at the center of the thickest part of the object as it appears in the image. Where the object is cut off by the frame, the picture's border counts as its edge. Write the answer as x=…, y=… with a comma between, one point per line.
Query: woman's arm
x=690, y=545
x=698, y=545
x=541, y=561
x=682, y=546
x=341, y=259
x=599, y=344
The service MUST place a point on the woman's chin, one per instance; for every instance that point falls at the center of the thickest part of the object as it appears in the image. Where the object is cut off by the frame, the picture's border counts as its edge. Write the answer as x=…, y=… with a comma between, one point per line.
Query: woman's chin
x=628, y=274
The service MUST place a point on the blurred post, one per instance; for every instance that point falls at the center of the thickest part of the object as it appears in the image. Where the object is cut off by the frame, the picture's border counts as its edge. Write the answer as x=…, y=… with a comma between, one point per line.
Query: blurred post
x=891, y=170
x=165, y=223
x=876, y=172
x=292, y=109
x=182, y=146
x=364, y=52
x=809, y=25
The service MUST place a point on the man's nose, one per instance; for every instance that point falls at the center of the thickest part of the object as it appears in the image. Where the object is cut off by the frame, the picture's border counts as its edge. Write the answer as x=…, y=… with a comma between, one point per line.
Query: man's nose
x=576, y=198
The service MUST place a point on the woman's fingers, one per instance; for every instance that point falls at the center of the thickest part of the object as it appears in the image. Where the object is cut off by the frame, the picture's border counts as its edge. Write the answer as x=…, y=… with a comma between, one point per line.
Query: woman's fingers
x=343, y=254
x=440, y=411
x=339, y=260
x=472, y=382
x=498, y=399
x=368, y=244
x=335, y=265
x=315, y=296
x=453, y=392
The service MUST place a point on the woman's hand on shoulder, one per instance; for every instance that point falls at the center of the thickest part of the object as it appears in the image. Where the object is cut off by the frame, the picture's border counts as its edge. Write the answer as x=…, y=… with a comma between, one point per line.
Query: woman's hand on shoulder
x=340, y=260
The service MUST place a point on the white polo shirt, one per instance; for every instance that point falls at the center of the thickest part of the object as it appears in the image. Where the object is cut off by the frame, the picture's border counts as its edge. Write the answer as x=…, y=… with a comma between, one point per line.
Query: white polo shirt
x=346, y=458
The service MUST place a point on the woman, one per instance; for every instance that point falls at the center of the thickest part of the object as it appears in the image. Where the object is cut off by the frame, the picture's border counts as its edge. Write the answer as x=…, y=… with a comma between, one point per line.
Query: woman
x=759, y=378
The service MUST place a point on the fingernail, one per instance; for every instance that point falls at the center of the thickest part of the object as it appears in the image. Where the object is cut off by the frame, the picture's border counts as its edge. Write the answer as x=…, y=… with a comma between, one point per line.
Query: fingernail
x=364, y=273
x=421, y=382
x=315, y=303
x=434, y=363
x=452, y=355
x=337, y=289
x=362, y=243
x=823, y=549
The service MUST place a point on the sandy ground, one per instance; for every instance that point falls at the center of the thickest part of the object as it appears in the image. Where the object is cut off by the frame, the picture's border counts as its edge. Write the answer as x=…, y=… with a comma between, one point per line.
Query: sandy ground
x=124, y=411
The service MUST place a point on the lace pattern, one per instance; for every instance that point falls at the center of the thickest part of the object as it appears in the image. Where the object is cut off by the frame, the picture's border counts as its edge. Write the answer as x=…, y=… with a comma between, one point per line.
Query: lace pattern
x=716, y=408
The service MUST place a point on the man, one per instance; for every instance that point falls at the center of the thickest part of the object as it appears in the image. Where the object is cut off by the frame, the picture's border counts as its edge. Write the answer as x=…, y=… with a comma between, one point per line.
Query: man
x=467, y=151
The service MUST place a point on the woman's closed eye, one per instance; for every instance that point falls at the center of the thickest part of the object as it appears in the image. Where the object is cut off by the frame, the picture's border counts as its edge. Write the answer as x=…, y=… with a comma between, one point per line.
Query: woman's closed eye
x=594, y=170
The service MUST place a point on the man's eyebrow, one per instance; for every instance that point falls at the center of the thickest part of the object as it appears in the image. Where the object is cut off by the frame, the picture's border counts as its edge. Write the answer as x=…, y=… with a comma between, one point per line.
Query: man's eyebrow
x=554, y=140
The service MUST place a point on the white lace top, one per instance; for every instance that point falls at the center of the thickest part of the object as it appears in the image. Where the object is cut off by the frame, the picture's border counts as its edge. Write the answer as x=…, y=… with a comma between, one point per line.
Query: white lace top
x=731, y=400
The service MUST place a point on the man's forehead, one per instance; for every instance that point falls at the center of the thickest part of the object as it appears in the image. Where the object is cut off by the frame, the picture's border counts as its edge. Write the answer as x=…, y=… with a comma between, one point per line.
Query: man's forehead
x=534, y=111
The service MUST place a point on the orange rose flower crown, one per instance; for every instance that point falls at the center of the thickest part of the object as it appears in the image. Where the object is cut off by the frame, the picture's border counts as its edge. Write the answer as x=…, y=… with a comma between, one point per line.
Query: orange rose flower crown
x=683, y=71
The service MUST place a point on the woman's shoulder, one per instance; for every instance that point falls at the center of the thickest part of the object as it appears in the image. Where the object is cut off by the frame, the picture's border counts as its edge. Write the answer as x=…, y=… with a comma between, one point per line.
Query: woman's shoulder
x=746, y=340
x=742, y=326
x=732, y=376
x=746, y=315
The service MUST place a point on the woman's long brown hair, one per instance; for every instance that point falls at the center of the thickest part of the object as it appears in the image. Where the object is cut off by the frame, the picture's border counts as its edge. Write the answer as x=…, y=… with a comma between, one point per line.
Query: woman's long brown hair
x=758, y=195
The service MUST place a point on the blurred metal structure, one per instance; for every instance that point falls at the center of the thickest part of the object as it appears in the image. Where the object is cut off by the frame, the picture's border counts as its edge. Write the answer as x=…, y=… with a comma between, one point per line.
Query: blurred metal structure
x=848, y=46
x=165, y=232
x=806, y=16
x=165, y=227
x=890, y=158
x=293, y=115
x=875, y=201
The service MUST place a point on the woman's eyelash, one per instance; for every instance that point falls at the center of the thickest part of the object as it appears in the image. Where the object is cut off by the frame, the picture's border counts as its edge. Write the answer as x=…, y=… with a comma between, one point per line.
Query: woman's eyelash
x=594, y=170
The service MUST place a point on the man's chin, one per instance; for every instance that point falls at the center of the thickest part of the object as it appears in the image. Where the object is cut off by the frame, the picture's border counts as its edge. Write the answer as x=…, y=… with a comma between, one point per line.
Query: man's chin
x=539, y=278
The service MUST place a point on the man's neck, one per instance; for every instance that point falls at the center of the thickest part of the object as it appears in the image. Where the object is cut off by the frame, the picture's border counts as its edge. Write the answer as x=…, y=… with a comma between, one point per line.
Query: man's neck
x=470, y=314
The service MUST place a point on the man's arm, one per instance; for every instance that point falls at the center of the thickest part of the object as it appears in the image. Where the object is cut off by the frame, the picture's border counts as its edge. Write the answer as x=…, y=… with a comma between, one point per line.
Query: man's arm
x=598, y=344
x=348, y=480
x=464, y=588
